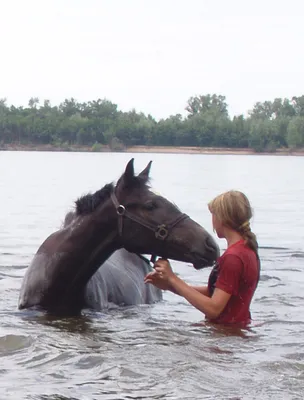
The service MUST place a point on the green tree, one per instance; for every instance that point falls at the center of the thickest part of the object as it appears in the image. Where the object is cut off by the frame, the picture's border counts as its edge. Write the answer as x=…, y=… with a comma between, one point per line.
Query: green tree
x=295, y=132
x=206, y=103
x=298, y=104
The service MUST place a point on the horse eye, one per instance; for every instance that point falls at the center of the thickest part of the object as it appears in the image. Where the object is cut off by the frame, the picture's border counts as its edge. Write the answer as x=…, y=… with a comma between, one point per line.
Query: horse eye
x=150, y=205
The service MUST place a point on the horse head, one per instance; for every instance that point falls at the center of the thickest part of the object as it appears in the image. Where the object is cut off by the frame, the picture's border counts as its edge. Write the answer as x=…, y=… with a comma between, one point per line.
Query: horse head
x=148, y=223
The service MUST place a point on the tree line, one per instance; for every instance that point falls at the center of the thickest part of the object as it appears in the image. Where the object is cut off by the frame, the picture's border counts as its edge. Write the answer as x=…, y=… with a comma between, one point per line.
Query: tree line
x=268, y=126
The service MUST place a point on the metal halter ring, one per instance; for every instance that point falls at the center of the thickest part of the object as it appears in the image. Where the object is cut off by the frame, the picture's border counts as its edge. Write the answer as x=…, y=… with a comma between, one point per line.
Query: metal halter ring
x=120, y=210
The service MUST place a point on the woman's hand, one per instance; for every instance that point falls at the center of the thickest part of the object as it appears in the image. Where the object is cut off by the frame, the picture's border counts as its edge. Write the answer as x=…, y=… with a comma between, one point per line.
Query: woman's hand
x=163, y=268
x=160, y=277
x=156, y=280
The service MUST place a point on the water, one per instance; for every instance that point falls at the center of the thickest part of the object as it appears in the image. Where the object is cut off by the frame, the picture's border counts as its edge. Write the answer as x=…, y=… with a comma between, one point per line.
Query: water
x=161, y=351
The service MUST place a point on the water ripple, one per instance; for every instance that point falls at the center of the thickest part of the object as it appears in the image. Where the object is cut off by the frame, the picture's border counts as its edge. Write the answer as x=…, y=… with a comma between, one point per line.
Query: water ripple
x=10, y=344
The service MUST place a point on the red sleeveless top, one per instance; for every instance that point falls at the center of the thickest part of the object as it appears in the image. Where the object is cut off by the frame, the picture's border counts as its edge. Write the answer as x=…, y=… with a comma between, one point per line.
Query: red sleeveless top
x=236, y=273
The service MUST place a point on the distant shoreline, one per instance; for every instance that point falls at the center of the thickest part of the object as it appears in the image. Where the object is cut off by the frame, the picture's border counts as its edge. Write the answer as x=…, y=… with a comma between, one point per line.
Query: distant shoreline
x=151, y=149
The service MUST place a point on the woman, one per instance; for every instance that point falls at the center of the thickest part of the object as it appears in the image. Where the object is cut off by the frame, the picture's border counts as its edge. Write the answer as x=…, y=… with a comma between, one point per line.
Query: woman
x=234, y=278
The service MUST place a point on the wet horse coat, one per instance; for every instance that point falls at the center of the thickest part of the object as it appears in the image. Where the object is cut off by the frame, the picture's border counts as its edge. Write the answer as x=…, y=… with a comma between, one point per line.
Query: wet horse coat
x=120, y=280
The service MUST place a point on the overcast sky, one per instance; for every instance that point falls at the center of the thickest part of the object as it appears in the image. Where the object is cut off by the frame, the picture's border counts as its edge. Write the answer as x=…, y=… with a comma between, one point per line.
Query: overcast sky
x=151, y=55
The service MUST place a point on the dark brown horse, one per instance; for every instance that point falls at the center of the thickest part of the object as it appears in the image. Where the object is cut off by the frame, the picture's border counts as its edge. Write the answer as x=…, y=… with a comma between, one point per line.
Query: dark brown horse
x=127, y=215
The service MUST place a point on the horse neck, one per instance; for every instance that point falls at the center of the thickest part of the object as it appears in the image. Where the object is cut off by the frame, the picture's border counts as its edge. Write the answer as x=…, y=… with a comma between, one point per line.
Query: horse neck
x=103, y=226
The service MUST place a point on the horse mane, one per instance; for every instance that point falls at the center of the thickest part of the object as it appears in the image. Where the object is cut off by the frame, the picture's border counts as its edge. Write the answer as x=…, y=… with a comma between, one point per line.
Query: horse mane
x=89, y=202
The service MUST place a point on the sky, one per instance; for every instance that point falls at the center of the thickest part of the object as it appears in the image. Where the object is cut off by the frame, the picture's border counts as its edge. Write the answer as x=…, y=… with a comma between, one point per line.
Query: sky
x=151, y=55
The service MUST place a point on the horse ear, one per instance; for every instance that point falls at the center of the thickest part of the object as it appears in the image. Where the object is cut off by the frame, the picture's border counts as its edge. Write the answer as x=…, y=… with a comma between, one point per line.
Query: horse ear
x=144, y=175
x=129, y=171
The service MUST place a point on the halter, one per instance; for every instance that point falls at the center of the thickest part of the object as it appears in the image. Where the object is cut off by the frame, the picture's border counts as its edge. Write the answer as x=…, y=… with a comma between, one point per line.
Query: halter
x=161, y=231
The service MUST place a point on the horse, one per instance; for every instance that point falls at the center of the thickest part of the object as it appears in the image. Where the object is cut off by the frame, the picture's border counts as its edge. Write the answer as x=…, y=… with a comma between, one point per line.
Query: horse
x=128, y=215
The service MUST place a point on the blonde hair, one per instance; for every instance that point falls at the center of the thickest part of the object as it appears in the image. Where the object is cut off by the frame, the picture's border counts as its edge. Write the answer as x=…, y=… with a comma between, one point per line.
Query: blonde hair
x=233, y=209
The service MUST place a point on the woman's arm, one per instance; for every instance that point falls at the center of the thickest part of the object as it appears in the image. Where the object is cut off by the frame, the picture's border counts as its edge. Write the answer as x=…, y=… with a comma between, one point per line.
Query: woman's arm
x=156, y=280
x=210, y=306
x=202, y=289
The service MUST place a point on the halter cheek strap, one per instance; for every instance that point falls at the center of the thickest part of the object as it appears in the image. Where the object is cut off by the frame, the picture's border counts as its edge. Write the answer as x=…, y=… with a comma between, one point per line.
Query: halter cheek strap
x=161, y=231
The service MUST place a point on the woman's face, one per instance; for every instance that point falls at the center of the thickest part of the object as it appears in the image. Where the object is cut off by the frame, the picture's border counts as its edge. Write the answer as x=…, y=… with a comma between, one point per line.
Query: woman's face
x=217, y=226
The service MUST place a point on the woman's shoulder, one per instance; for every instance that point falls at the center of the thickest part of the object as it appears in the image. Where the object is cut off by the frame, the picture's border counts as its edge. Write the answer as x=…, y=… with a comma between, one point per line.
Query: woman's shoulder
x=239, y=249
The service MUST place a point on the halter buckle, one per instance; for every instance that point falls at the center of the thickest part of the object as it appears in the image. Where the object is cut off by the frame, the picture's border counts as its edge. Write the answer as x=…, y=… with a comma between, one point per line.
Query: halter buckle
x=161, y=232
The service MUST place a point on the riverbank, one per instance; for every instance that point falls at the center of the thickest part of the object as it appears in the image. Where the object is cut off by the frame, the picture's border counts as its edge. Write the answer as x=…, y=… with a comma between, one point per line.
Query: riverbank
x=149, y=149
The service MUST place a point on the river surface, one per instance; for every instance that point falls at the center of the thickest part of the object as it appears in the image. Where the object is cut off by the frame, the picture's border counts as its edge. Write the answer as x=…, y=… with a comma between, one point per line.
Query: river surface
x=160, y=351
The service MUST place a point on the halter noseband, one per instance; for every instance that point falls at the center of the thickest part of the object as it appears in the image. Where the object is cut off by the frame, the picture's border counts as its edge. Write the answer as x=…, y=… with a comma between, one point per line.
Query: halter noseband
x=161, y=232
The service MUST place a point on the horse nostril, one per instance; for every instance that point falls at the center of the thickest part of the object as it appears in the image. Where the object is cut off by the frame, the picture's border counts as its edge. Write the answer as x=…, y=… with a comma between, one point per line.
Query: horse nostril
x=211, y=245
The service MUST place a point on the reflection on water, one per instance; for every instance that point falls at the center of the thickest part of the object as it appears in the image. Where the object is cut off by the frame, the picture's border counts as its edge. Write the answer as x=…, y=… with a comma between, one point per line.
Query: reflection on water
x=161, y=351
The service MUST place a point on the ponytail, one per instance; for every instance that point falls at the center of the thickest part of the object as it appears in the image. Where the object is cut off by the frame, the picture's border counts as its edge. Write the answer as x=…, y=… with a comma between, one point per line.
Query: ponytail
x=251, y=241
x=249, y=236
